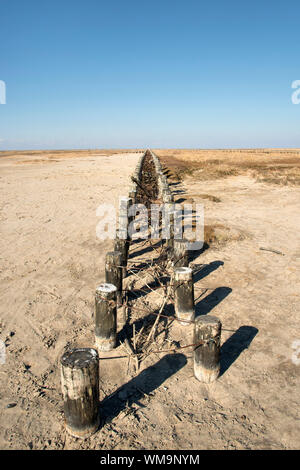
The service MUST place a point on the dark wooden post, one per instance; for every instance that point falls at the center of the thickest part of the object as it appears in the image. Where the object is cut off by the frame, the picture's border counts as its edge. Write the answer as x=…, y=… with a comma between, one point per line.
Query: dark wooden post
x=180, y=253
x=80, y=388
x=114, y=272
x=106, y=317
x=183, y=287
x=207, y=330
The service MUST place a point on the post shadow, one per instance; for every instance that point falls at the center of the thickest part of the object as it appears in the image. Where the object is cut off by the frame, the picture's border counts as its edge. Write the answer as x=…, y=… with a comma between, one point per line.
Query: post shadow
x=181, y=200
x=193, y=254
x=136, y=241
x=146, y=382
x=235, y=345
x=148, y=319
x=142, y=251
x=145, y=290
x=207, y=269
x=178, y=191
x=204, y=306
x=137, y=266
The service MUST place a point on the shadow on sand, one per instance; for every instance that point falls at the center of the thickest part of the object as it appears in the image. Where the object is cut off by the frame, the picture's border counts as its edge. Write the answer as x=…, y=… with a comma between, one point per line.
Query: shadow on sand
x=235, y=345
x=206, y=270
x=204, y=306
x=146, y=382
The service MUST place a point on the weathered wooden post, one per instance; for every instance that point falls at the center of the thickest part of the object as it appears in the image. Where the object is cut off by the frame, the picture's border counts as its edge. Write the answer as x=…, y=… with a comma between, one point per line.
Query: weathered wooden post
x=167, y=196
x=168, y=227
x=132, y=193
x=164, y=180
x=178, y=222
x=180, y=253
x=138, y=170
x=80, y=388
x=160, y=183
x=156, y=162
x=183, y=288
x=106, y=317
x=124, y=219
x=114, y=272
x=122, y=244
x=207, y=332
x=125, y=203
x=130, y=203
x=170, y=242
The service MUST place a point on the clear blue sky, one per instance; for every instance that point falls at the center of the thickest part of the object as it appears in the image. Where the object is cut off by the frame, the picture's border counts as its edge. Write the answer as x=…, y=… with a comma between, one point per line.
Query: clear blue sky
x=168, y=73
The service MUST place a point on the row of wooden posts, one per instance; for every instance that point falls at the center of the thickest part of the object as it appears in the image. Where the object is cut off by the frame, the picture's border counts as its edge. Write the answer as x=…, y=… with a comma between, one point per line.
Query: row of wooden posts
x=80, y=366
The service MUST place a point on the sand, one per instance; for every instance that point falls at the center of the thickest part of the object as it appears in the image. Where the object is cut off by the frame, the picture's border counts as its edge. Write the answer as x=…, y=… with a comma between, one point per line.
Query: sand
x=51, y=263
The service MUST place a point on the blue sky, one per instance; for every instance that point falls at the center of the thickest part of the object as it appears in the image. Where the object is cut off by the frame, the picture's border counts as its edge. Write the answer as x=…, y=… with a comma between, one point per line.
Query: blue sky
x=186, y=74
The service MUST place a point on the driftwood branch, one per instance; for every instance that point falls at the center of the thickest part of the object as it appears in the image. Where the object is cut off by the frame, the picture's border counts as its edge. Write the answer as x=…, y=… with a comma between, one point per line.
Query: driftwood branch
x=271, y=250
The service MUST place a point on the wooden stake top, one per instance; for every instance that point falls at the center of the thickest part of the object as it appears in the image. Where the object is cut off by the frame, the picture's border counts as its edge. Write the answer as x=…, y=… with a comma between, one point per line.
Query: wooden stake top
x=125, y=199
x=183, y=273
x=105, y=288
x=79, y=358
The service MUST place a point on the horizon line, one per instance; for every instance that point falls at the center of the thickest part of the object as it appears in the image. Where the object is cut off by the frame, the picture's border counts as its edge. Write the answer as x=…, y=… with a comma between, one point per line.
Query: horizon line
x=144, y=149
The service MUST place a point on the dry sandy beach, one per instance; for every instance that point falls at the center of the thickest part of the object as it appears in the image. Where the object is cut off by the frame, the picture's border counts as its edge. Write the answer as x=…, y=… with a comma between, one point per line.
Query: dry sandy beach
x=52, y=261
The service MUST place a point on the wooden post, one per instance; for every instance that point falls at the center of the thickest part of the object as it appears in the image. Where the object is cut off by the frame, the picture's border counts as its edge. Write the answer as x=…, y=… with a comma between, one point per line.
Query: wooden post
x=114, y=272
x=167, y=196
x=128, y=202
x=160, y=184
x=132, y=194
x=106, y=317
x=207, y=329
x=178, y=222
x=122, y=244
x=125, y=203
x=124, y=206
x=164, y=180
x=180, y=253
x=157, y=164
x=183, y=287
x=169, y=209
x=80, y=388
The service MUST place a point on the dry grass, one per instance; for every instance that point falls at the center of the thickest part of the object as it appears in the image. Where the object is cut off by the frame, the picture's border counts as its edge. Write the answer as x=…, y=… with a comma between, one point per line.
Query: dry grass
x=210, y=197
x=273, y=166
x=281, y=176
x=219, y=234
